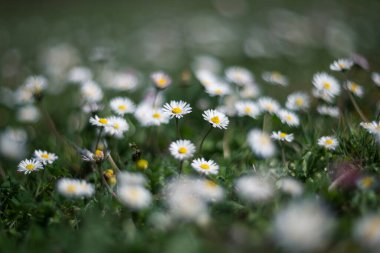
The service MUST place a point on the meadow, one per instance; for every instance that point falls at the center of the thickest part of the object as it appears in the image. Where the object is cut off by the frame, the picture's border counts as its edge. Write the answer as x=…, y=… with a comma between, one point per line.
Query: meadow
x=190, y=126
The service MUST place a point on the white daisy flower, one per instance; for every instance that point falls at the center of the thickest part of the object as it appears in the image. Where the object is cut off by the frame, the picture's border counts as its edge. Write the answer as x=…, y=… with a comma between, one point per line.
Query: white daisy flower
x=341, y=65
x=157, y=117
x=131, y=178
x=372, y=127
x=208, y=190
x=367, y=232
x=268, y=104
x=288, y=117
x=274, y=77
x=79, y=75
x=355, y=88
x=177, y=109
x=122, y=105
x=206, y=78
x=116, y=126
x=298, y=101
x=303, y=227
x=254, y=188
x=239, y=75
x=216, y=119
x=261, y=143
x=247, y=108
x=91, y=92
x=328, y=142
x=45, y=157
x=28, y=113
x=331, y=111
x=92, y=107
x=249, y=91
x=376, y=78
x=27, y=166
x=134, y=196
x=281, y=136
x=290, y=186
x=205, y=166
x=74, y=188
x=35, y=84
x=326, y=86
x=160, y=79
x=123, y=81
x=218, y=89
x=100, y=122
x=182, y=149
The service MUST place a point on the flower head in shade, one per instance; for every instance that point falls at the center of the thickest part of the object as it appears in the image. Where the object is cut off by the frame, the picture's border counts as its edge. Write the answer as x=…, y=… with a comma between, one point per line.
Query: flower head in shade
x=290, y=186
x=331, y=111
x=204, y=166
x=328, y=142
x=261, y=143
x=354, y=88
x=298, y=101
x=288, y=117
x=160, y=79
x=247, y=108
x=177, y=109
x=45, y=157
x=281, y=136
x=367, y=232
x=208, y=190
x=218, y=89
x=182, y=149
x=28, y=166
x=121, y=105
x=275, y=78
x=216, y=119
x=254, y=188
x=366, y=182
x=239, y=75
x=326, y=87
x=341, y=65
x=268, y=104
x=376, y=78
x=91, y=92
x=35, y=84
x=74, y=188
x=134, y=196
x=116, y=126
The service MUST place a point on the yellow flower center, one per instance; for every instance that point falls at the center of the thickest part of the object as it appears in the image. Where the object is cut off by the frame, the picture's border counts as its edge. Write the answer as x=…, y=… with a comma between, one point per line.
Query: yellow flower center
x=329, y=142
x=269, y=107
x=367, y=182
x=142, y=164
x=342, y=65
x=116, y=126
x=45, y=156
x=162, y=82
x=282, y=135
x=205, y=166
x=71, y=188
x=215, y=120
x=299, y=101
x=103, y=121
x=218, y=91
x=247, y=109
x=327, y=85
x=156, y=115
x=354, y=87
x=99, y=153
x=182, y=150
x=264, y=140
x=289, y=118
x=176, y=110
x=30, y=167
x=211, y=184
x=122, y=107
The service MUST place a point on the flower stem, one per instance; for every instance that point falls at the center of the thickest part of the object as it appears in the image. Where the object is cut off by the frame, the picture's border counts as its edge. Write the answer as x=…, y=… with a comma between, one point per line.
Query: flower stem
x=98, y=139
x=201, y=145
x=177, y=127
x=266, y=122
x=357, y=108
x=180, y=167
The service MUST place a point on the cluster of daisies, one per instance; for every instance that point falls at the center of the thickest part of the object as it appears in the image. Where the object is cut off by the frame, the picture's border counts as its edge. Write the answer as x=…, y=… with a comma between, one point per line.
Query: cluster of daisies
x=38, y=162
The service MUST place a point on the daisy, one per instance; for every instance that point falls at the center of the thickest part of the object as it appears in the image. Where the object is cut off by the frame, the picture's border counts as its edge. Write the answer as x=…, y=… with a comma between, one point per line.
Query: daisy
x=341, y=65
x=366, y=182
x=247, y=108
x=355, y=88
x=182, y=149
x=157, y=117
x=121, y=105
x=326, y=87
x=376, y=78
x=44, y=157
x=288, y=117
x=116, y=126
x=27, y=166
x=331, y=111
x=123, y=81
x=239, y=75
x=160, y=79
x=268, y=104
x=249, y=91
x=281, y=136
x=218, y=89
x=92, y=107
x=131, y=178
x=298, y=101
x=275, y=78
x=290, y=186
x=75, y=188
x=91, y=92
x=261, y=143
x=177, y=109
x=79, y=75
x=100, y=122
x=35, y=84
x=367, y=232
x=254, y=188
x=372, y=127
x=206, y=78
x=205, y=167
x=216, y=119
x=134, y=196
x=328, y=142
x=208, y=190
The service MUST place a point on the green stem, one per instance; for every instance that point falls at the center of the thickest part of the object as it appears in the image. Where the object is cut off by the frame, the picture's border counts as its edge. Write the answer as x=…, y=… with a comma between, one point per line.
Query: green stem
x=266, y=122
x=180, y=167
x=201, y=145
x=357, y=108
x=98, y=139
x=177, y=127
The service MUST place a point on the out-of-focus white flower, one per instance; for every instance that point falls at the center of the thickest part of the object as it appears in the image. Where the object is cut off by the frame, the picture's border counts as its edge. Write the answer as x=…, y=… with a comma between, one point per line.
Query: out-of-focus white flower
x=216, y=119
x=249, y=91
x=134, y=196
x=122, y=105
x=91, y=92
x=247, y=108
x=367, y=232
x=13, y=143
x=208, y=190
x=116, y=126
x=218, y=89
x=281, y=136
x=160, y=79
x=274, y=77
x=177, y=109
x=290, y=186
x=268, y=104
x=239, y=75
x=355, y=88
x=254, y=188
x=326, y=87
x=130, y=178
x=205, y=166
x=261, y=143
x=182, y=149
x=302, y=226
x=298, y=101
x=372, y=127
x=328, y=142
x=35, y=84
x=341, y=65
x=79, y=75
x=28, y=113
x=331, y=111
x=92, y=107
x=45, y=157
x=288, y=117
x=74, y=188
x=122, y=81
x=376, y=78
